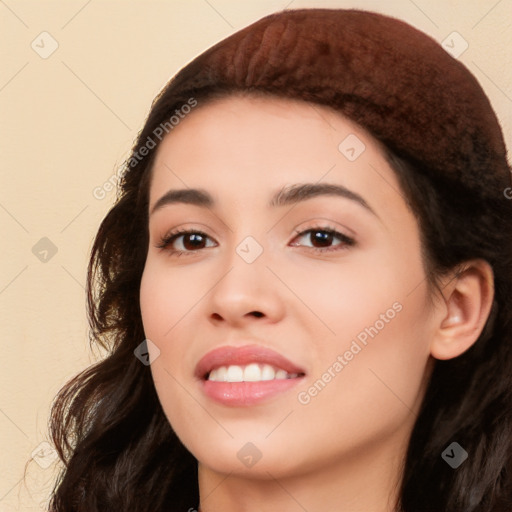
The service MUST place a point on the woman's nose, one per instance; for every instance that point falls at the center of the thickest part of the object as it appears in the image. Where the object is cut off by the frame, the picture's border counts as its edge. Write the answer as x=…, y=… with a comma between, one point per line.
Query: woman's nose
x=247, y=291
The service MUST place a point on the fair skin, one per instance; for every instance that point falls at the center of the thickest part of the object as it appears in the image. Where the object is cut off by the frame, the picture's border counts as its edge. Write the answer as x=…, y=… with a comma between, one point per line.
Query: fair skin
x=342, y=450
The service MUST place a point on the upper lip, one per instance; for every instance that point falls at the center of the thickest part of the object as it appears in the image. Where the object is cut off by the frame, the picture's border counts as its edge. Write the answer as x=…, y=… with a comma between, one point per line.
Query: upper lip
x=230, y=355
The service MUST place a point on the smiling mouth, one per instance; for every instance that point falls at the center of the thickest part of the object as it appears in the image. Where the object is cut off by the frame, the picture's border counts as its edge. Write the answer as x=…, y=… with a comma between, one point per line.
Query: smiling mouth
x=247, y=375
x=252, y=372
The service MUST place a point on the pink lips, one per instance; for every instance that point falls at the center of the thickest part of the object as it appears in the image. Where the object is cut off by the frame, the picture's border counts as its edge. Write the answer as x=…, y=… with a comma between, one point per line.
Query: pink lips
x=244, y=393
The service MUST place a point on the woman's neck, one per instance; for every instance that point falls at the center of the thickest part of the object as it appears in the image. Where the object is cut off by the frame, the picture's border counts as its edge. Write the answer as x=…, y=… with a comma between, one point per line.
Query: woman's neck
x=368, y=483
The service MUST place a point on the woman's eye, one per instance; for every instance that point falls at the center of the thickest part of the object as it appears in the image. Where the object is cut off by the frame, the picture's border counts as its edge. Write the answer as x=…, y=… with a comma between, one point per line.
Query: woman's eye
x=189, y=242
x=322, y=239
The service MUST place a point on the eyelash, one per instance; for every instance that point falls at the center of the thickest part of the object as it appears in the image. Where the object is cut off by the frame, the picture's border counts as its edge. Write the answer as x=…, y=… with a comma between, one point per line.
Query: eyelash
x=172, y=236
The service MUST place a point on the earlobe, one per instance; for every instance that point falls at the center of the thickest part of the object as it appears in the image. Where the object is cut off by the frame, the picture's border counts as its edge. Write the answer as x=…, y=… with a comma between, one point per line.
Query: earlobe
x=467, y=304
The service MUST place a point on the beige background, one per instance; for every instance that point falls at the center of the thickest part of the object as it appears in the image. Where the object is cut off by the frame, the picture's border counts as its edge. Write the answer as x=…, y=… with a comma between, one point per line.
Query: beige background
x=68, y=121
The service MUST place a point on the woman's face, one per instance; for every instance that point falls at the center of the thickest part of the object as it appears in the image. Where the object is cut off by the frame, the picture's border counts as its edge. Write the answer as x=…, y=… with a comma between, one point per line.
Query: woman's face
x=338, y=322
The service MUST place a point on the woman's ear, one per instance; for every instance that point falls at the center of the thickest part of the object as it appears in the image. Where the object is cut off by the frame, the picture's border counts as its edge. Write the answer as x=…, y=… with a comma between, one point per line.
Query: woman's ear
x=468, y=298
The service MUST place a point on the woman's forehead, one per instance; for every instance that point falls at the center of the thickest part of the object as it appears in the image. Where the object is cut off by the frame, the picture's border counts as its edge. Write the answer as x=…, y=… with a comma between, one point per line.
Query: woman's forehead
x=288, y=127
x=243, y=150
x=267, y=135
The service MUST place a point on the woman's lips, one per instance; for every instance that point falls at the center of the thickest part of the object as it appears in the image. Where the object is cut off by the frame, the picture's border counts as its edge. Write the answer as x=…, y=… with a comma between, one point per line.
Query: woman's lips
x=245, y=393
x=241, y=356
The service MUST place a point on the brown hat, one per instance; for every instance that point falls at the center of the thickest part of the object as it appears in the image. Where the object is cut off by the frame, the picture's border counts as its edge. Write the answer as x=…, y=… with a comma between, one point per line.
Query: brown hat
x=382, y=73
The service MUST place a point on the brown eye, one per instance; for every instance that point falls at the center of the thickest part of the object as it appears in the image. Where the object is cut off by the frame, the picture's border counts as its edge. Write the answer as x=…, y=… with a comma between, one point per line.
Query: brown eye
x=192, y=241
x=322, y=239
x=188, y=242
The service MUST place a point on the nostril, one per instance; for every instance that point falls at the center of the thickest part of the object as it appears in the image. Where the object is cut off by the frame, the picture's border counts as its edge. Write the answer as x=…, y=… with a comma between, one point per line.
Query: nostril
x=257, y=314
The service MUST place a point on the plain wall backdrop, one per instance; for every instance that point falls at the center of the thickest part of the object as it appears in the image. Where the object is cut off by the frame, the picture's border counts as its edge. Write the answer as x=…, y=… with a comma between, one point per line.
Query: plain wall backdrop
x=76, y=83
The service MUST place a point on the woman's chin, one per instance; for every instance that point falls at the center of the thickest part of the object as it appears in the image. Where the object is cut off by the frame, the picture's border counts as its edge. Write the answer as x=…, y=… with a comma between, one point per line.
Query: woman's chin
x=262, y=461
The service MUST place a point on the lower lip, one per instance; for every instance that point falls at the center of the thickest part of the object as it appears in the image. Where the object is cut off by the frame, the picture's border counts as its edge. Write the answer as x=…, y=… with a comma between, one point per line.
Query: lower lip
x=246, y=393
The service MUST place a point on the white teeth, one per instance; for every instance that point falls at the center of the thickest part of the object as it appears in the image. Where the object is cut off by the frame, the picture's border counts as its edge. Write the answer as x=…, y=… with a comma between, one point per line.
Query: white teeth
x=281, y=374
x=268, y=373
x=235, y=374
x=251, y=373
x=222, y=373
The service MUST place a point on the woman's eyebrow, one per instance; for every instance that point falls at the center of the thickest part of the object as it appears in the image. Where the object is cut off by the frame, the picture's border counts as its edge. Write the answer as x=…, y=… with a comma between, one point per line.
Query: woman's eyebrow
x=287, y=195
x=293, y=194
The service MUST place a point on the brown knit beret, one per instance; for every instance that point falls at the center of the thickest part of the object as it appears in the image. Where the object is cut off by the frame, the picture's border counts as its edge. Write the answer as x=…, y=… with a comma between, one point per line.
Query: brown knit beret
x=382, y=73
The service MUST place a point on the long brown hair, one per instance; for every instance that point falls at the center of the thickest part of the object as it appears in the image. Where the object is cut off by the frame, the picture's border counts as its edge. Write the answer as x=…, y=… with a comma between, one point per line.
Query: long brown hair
x=118, y=448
